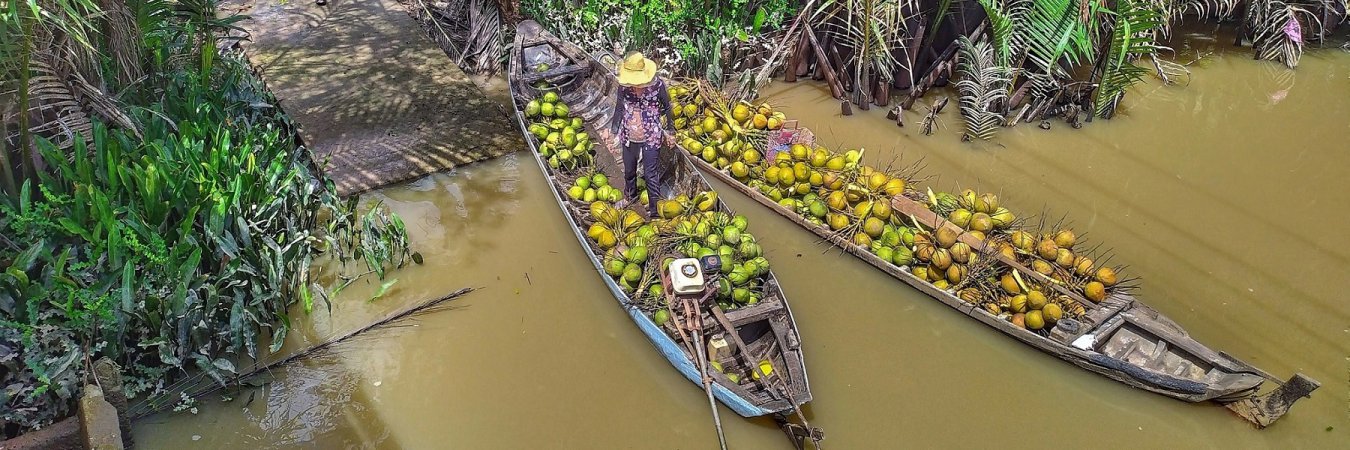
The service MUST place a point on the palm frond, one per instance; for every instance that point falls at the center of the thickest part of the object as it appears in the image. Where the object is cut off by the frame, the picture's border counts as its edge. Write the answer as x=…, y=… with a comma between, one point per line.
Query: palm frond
x=872, y=28
x=1002, y=25
x=1053, y=31
x=124, y=40
x=1204, y=9
x=1132, y=37
x=982, y=88
x=1279, y=33
x=63, y=98
x=1169, y=71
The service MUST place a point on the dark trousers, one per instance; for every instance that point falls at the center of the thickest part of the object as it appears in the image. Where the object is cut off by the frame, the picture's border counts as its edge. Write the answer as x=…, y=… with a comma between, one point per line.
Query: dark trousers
x=650, y=171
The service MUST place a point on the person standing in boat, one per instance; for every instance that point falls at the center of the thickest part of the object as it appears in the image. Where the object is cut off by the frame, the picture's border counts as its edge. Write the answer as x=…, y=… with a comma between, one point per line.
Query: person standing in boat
x=641, y=104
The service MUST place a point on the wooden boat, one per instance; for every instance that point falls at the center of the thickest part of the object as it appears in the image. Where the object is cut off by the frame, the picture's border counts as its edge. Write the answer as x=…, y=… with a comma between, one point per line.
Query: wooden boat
x=1121, y=337
x=766, y=328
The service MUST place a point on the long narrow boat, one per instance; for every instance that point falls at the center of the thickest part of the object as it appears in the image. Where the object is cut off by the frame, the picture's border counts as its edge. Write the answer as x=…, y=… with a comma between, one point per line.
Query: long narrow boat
x=1119, y=337
x=767, y=328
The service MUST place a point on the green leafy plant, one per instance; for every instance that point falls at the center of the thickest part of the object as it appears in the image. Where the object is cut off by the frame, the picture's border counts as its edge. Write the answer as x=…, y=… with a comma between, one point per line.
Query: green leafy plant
x=674, y=32
x=872, y=28
x=983, y=88
x=173, y=232
x=1278, y=31
x=1133, y=29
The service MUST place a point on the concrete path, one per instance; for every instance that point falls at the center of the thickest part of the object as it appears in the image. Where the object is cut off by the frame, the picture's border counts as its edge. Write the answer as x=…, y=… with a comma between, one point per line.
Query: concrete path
x=370, y=91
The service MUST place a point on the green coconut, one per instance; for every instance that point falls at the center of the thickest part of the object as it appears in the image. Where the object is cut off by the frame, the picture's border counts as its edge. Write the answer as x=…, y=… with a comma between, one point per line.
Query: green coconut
x=614, y=266
x=873, y=227
x=961, y=217
x=637, y=254
x=632, y=273
x=902, y=256
x=886, y=253
x=749, y=250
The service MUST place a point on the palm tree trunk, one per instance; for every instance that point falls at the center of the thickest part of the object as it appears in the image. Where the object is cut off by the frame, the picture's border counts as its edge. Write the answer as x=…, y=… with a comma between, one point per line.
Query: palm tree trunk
x=6, y=169
x=25, y=58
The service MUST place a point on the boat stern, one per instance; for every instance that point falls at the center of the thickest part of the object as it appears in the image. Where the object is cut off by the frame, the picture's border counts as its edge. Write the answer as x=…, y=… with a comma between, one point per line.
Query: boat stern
x=1263, y=410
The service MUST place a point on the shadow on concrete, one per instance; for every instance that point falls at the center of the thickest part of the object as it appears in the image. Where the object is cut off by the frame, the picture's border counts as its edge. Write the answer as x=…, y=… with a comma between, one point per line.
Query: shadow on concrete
x=371, y=93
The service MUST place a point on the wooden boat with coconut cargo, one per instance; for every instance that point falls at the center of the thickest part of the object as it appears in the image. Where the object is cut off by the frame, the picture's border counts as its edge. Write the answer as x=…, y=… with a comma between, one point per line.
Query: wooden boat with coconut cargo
x=740, y=324
x=1035, y=284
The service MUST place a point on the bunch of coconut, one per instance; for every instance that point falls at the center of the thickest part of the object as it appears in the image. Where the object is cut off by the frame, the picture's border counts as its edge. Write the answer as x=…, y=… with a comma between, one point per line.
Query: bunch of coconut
x=941, y=258
x=797, y=172
x=699, y=230
x=1030, y=306
x=684, y=105
x=1052, y=254
x=761, y=117
x=590, y=187
x=562, y=139
x=724, y=150
x=623, y=237
x=979, y=215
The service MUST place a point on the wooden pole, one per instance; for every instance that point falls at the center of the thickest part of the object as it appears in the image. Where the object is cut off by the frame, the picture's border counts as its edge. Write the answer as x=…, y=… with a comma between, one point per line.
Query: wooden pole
x=823, y=64
x=697, y=323
x=803, y=67
x=428, y=306
x=882, y=95
x=765, y=71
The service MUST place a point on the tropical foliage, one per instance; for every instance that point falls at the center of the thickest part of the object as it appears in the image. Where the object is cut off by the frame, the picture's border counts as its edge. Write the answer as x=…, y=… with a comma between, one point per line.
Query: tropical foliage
x=688, y=37
x=157, y=208
x=983, y=88
x=872, y=28
x=1061, y=57
x=1134, y=29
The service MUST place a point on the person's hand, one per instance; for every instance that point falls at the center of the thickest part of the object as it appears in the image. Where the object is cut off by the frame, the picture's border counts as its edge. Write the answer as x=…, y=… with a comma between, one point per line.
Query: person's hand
x=668, y=139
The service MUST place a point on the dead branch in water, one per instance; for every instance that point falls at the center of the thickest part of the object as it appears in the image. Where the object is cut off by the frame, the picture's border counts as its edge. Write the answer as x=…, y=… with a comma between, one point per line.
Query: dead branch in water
x=157, y=404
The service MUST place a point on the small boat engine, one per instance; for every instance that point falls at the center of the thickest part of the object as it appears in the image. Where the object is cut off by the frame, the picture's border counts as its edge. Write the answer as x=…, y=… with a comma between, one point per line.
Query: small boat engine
x=686, y=276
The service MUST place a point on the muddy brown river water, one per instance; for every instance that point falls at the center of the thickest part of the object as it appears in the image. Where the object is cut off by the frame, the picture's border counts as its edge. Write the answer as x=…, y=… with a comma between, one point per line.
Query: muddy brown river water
x=1228, y=197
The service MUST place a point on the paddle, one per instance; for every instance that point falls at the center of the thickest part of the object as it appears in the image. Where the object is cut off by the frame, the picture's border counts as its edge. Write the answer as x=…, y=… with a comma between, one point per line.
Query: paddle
x=693, y=316
x=697, y=318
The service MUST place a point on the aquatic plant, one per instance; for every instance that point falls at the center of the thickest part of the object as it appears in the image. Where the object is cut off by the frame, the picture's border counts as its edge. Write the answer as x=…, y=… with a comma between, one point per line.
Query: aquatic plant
x=1064, y=56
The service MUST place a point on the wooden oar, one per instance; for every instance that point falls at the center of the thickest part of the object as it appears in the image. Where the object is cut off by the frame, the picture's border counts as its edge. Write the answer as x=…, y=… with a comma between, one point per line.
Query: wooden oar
x=697, y=318
x=691, y=314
